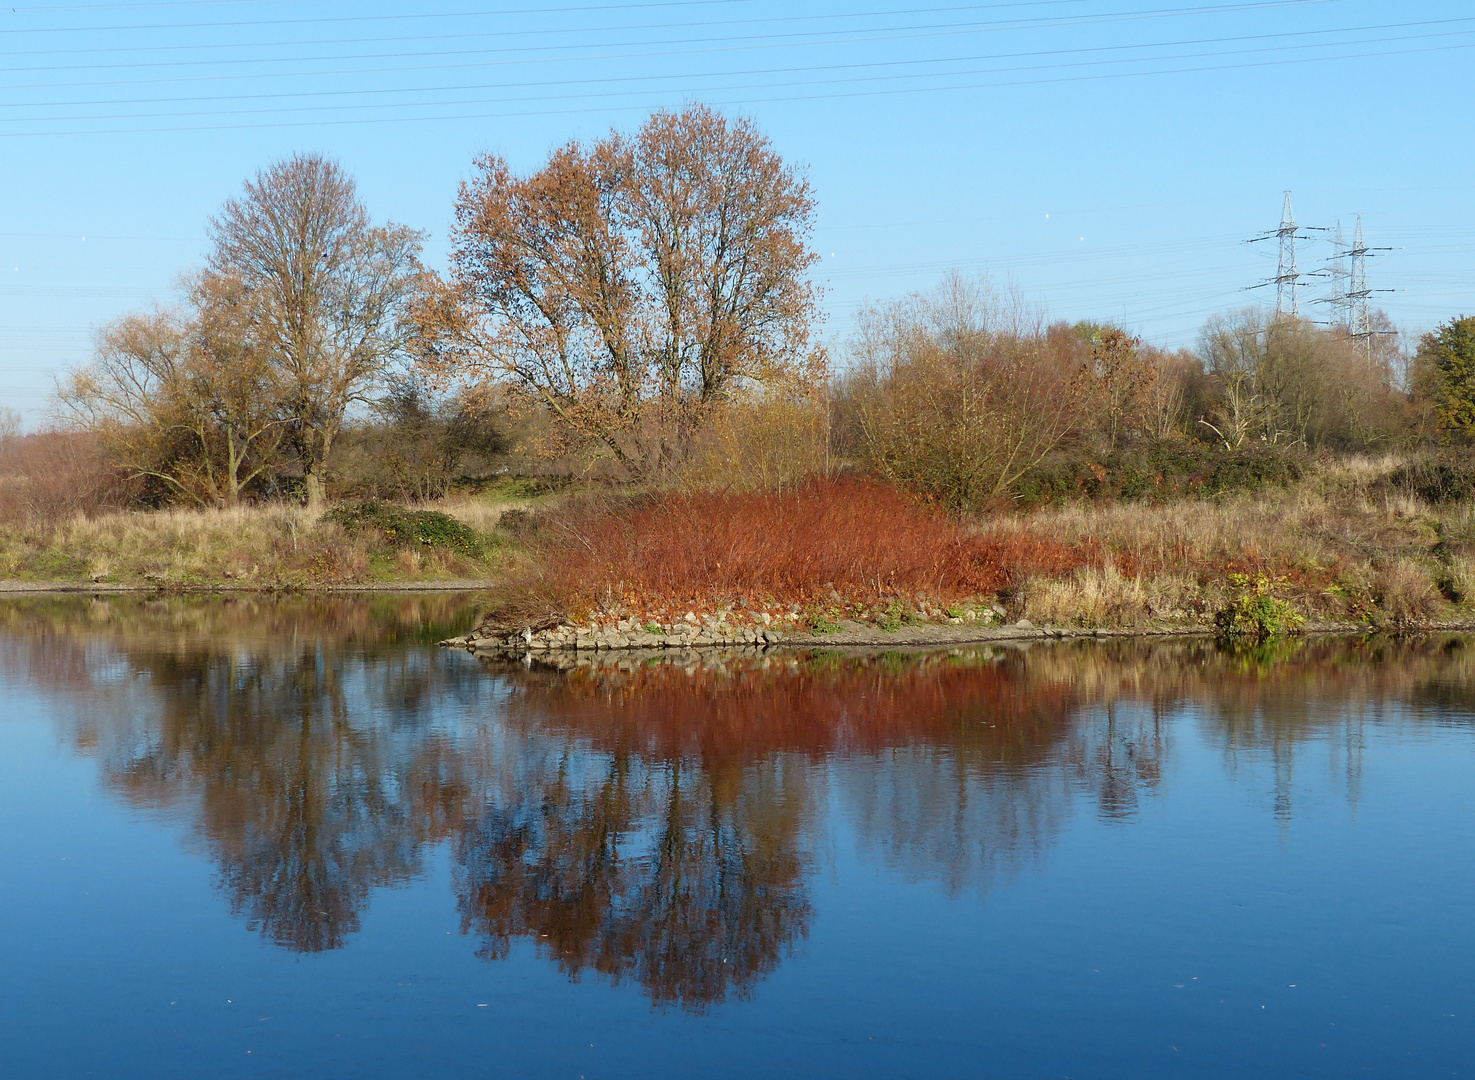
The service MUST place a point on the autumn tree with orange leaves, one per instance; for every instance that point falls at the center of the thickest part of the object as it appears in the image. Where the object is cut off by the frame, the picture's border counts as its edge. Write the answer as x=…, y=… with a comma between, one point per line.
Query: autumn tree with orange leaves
x=632, y=285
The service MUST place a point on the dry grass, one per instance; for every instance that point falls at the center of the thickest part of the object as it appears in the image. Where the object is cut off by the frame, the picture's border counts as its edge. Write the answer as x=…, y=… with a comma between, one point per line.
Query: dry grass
x=1340, y=544
x=483, y=515
x=1405, y=592
x=1460, y=579
x=1104, y=596
x=268, y=546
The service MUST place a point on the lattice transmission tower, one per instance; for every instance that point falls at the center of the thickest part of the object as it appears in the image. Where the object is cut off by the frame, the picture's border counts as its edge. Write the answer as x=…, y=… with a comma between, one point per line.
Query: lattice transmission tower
x=1287, y=276
x=1336, y=274
x=1360, y=323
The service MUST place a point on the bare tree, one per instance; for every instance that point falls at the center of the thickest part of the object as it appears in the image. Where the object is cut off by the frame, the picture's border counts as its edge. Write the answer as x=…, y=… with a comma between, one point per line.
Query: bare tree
x=631, y=285
x=1287, y=381
x=231, y=382
x=11, y=424
x=1232, y=349
x=961, y=391
x=129, y=396
x=320, y=294
x=178, y=399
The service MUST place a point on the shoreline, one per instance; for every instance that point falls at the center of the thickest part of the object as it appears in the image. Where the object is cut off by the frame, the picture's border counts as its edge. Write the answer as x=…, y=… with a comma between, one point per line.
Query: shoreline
x=860, y=636
x=58, y=588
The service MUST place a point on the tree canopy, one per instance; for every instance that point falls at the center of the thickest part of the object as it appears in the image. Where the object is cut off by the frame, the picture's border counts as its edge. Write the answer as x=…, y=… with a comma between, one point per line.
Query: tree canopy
x=1447, y=359
x=630, y=285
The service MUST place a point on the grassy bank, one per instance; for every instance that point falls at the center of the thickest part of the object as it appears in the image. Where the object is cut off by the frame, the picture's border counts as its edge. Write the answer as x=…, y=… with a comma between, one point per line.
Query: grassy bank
x=1358, y=541
x=273, y=546
x=1363, y=541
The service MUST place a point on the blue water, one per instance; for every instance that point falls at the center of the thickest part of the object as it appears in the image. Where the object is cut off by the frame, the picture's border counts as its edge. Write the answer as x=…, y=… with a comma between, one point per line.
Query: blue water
x=291, y=838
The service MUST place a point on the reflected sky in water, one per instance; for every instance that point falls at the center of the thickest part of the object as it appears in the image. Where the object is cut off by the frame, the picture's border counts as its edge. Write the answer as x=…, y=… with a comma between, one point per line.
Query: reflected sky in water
x=283, y=838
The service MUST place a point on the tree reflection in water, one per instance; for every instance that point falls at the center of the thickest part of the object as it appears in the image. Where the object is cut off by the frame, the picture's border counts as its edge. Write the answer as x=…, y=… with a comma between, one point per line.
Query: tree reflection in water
x=294, y=732
x=656, y=822
x=692, y=883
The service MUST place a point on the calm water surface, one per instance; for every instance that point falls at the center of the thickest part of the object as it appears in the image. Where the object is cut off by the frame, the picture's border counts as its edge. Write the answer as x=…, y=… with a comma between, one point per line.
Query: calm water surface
x=294, y=839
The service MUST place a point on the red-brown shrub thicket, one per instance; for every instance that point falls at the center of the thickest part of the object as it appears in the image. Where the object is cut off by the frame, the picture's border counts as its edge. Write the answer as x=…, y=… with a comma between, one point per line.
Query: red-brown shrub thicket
x=52, y=475
x=863, y=540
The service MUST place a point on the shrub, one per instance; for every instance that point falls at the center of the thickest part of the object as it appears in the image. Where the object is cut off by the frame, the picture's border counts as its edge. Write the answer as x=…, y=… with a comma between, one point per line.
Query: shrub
x=1166, y=470
x=408, y=528
x=1434, y=480
x=50, y=476
x=957, y=392
x=770, y=439
x=842, y=542
x=1254, y=613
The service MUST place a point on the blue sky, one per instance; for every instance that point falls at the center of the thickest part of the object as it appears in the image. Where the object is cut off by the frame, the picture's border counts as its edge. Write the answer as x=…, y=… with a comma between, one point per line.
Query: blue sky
x=1108, y=156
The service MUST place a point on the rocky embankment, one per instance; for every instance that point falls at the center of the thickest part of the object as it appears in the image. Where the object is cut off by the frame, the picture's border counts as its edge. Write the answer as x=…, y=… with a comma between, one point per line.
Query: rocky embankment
x=742, y=630
x=725, y=626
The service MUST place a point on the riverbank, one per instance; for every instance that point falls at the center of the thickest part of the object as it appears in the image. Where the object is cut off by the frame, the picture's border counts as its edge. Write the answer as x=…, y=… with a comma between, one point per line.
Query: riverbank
x=579, y=645
x=266, y=548
x=72, y=588
x=1349, y=546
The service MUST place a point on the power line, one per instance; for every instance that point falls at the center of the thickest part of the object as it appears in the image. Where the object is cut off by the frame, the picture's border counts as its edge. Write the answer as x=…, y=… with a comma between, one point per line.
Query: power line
x=1255, y=5
x=1222, y=40
x=745, y=101
x=788, y=40
x=154, y=47
x=616, y=80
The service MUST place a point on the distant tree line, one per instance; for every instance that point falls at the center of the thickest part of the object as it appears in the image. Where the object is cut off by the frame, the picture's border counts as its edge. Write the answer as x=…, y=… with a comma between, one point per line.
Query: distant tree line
x=640, y=307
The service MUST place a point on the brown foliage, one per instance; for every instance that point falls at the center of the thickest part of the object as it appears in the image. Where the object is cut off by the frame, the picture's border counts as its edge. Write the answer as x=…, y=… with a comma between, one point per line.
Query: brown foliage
x=294, y=319
x=740, y=712
x=182, y=400
x=959, y=392
x=860, y=540
x=53, y=475
x=763, y=442
x=1284, y=380
x=1123, y=380
x=630, y=285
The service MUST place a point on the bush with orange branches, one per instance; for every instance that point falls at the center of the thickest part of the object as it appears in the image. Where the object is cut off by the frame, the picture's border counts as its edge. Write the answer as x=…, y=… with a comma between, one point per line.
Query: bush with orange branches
x=847, y=543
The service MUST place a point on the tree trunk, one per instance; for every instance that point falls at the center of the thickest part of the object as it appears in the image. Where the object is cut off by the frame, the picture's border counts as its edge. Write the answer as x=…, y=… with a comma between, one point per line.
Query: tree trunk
x=314, y=484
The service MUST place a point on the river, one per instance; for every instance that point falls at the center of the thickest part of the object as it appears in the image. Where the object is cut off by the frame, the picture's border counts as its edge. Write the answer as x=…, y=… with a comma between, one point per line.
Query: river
x=260, y=837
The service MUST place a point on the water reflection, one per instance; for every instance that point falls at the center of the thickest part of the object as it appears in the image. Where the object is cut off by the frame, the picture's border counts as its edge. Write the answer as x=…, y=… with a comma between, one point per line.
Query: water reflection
x=689, y=881
x=659, y=822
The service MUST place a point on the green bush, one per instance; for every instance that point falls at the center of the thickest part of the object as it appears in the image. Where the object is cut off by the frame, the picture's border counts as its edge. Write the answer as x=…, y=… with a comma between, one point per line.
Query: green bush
x=1435, y=481
x=1162, y=471
x=1254, y=613
x=403, y=528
